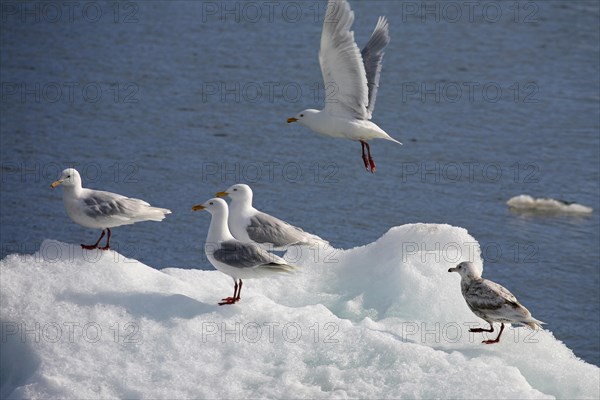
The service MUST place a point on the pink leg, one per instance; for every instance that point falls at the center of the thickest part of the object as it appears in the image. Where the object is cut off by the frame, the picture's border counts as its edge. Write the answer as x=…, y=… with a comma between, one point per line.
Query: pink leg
x=497, y=338
x=107, y=241
x=371, y=161
x=235, y=298
x=95, y=245
x=364, y=156
x=477, y=330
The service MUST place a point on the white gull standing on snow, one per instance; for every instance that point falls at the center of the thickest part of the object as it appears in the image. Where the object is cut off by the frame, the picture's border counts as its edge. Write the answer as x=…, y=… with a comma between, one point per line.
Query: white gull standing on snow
x=250, y=225
x=491, y=301
x=102, y=210
x=234, y=258
x=352, y=78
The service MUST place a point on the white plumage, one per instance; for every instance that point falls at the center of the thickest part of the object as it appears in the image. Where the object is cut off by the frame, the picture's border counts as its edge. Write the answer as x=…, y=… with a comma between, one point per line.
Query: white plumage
x=102, y=210
x=250, y=225
x=231, y=256
x=351, y=79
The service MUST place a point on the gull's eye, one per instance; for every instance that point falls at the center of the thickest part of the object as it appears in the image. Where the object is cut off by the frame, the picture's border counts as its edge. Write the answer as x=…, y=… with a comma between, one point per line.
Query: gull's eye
x=68, y=176
x=235, y=190
x=210, y=203
x=301, y=115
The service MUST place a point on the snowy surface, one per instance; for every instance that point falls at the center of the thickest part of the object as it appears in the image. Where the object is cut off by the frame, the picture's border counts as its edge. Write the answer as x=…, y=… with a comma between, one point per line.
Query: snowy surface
x=527, y=203
x=379, y=321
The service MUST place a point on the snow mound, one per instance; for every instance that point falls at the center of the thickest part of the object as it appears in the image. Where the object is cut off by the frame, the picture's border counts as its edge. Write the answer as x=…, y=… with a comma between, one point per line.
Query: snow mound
x=384, y=320
x=525, y=202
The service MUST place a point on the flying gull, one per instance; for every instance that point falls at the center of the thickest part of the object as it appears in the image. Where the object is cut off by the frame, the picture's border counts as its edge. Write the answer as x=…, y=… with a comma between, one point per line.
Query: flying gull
x=352, y=78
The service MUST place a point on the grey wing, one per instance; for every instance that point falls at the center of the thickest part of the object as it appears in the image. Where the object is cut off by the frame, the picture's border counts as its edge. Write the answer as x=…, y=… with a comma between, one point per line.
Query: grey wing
x=243, y=255
x=372, y=55
x=482, y=297
x=501, y=291
x=341, y=63
x=101, y=204
x=494, y=302
x=265, y=228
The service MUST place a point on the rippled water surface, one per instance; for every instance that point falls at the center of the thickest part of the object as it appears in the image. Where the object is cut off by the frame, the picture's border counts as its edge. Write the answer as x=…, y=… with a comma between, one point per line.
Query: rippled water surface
x=173, y=101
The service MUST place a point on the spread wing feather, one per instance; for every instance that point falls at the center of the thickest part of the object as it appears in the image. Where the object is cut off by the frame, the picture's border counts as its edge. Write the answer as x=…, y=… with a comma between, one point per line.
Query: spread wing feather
x=372, y=55
x=341, y=63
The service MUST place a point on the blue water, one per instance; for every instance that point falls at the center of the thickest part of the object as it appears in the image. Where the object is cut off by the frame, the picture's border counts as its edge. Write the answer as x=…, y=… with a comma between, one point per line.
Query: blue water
x=173, y=101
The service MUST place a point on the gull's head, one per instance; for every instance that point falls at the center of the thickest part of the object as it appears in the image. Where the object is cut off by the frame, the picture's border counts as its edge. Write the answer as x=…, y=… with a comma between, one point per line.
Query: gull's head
x=213, y=206
x=304, y=117
x=239, y=191
x=69, y=178
x=467, y=270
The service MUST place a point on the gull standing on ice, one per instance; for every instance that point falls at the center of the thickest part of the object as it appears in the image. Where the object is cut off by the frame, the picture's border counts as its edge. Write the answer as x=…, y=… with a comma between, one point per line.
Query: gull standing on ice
x=232, y=257
x=491, y=301
x=250, y=225
x=103, y=210
x=353, y=76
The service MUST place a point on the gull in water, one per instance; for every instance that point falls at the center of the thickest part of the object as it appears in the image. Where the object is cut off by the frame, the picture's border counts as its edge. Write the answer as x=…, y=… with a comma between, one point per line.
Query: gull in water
x=102, y=210
x=491, y=301
x=352, y=78
x=234, y=258
x=250, y=225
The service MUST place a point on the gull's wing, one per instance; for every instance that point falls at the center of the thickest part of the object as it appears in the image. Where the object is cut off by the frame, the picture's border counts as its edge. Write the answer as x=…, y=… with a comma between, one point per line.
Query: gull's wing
x=99, y=204
x=486, y=295
x=265, y=228
x=342, y=66
x=495, y=302
x=242, y=255
x=500, y=291
x=372, y=55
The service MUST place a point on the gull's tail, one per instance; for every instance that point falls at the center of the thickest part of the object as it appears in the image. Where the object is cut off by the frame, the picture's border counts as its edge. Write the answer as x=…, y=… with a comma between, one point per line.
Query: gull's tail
x=393, y=140
x=154, y=214
x=136, y=210
x=384, y=135
x=311, y=240
x=276, y=267
x=533, y=323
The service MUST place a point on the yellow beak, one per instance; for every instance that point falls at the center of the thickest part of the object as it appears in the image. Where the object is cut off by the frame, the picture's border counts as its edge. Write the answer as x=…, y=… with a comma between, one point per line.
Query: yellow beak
x=198, y=207
x=55, y=184
x=292, y=119
x=221, y=194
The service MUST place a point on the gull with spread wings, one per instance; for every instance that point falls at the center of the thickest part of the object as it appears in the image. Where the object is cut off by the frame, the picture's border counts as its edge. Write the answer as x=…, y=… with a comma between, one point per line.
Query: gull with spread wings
x=354, y=77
